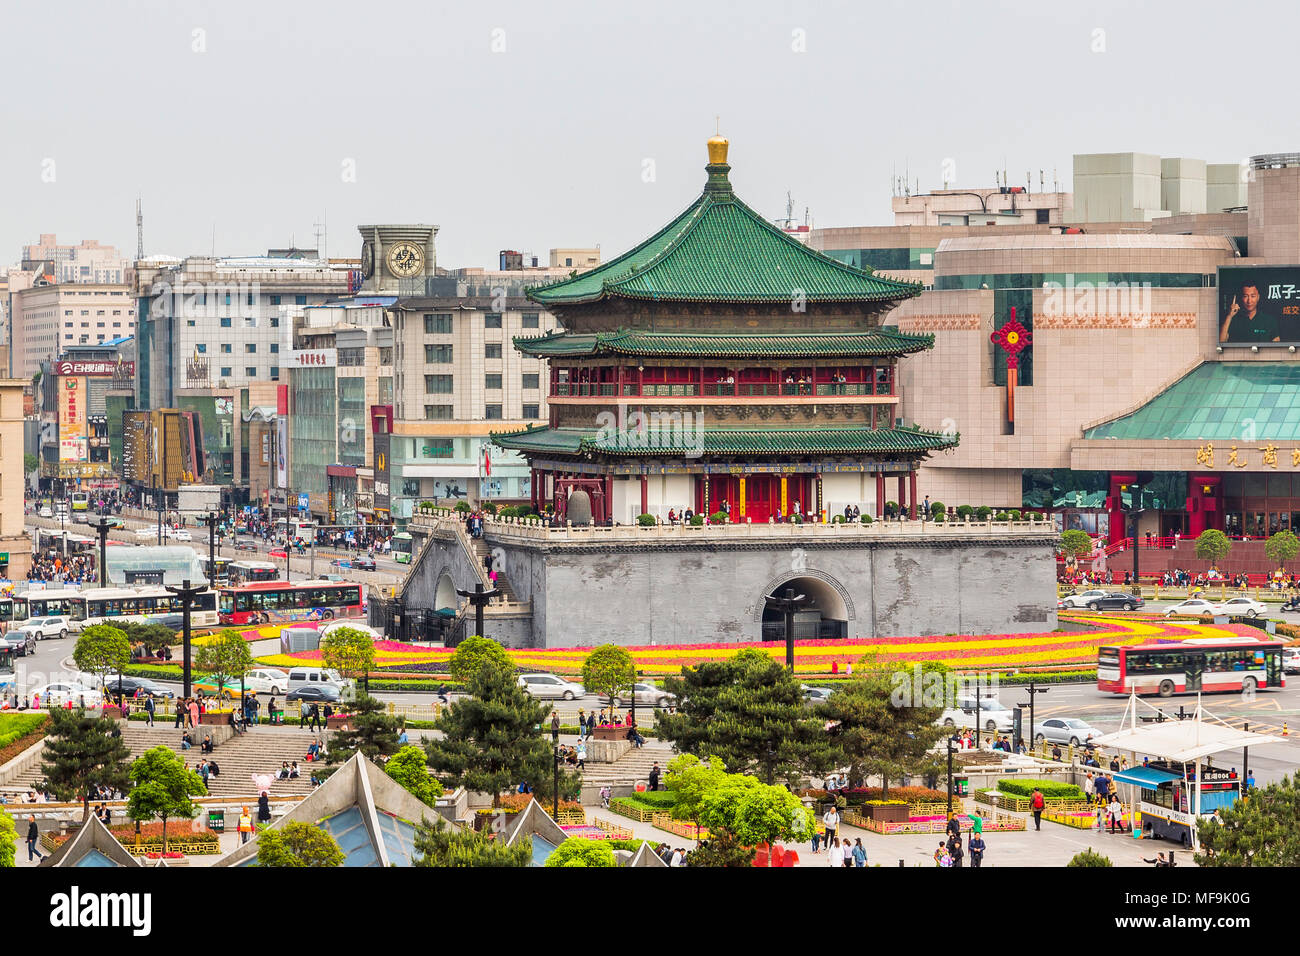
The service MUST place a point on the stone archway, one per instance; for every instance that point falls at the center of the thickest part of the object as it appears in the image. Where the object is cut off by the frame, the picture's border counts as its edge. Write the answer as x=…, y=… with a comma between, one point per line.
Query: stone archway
x=444, y=592
x=827, y=614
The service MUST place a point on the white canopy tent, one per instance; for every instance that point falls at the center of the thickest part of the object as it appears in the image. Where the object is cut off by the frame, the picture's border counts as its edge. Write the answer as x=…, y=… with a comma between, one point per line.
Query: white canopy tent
x=1187, y=741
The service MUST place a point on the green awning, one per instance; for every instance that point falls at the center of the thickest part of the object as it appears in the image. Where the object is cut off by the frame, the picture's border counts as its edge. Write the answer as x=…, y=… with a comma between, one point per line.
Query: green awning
x=883, y=341
x=1215, y=402
x=731, y=441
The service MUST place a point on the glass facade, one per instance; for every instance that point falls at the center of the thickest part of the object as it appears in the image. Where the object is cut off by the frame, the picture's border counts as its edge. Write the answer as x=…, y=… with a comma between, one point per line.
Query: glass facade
x=217, y=413
x=1036, y=280
x=353, y=421
x=887, y=259
x=312, y=428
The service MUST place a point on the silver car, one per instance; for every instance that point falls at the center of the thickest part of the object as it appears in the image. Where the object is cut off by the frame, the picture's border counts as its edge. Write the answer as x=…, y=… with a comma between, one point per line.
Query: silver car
x=549, y=686
x=649, y=695
x=1065, y=730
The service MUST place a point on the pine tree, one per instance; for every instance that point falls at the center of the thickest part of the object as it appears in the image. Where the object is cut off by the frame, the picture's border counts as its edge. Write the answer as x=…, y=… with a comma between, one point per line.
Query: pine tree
x=748, y=711
x=81, y=753
x=1259, y=830
x=374, y=733
x=437, y=844
x=493, y=739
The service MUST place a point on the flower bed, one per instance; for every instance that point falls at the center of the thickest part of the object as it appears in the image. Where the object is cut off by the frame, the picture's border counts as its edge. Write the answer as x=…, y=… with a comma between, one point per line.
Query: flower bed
x=1084, y=819
x=929, y=824
x=612, y=830
x=1007, y=801
x=179, y=838
x=625, y=807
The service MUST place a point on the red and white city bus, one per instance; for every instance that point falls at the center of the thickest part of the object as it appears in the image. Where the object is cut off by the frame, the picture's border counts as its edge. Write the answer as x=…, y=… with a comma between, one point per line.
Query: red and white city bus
x=1205, y=664
x=273, y=602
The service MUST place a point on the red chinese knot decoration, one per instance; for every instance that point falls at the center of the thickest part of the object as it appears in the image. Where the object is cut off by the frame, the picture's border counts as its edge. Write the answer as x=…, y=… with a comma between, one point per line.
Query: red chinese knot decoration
x=1012, y=338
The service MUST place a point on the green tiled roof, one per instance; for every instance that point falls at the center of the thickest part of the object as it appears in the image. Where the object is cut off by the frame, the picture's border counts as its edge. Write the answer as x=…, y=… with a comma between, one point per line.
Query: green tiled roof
x=720, y=250
x=882, y=341
x=842, y=440
x=1218, y=401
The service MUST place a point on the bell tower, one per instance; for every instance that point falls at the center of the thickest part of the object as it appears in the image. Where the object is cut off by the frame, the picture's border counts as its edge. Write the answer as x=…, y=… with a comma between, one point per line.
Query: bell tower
x=396, y=259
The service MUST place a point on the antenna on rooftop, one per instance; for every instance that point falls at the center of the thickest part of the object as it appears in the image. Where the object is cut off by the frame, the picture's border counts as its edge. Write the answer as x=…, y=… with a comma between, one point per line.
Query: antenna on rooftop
x=139, y=230
x=320, y=226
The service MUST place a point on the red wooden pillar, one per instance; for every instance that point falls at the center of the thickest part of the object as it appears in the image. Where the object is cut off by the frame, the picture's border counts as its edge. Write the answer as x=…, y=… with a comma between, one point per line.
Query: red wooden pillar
x=645, y=496
x=880, y=494
x=912, y=494
x=609, y=497
x=902, y=493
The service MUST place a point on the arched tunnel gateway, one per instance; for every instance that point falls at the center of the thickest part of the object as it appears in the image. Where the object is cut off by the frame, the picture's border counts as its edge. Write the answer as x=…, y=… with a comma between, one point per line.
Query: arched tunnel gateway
x=824, y=614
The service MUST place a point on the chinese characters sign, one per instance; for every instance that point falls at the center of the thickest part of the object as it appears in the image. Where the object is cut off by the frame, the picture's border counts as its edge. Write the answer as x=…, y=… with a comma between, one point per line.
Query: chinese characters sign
x=1234, y=456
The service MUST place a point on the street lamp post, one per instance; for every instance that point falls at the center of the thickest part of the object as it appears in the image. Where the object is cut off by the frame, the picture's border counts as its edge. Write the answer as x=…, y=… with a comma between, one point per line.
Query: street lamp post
x=1033, y=690
x=157, y=503
x=187, y=595
x=950, y=739
x=478, y=598
x=101, y=528
x=210, y=519
x=787, y=603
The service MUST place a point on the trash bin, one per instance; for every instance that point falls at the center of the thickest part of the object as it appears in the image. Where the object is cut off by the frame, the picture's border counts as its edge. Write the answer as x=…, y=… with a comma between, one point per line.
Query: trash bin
x=217, y=821
x=961, y=786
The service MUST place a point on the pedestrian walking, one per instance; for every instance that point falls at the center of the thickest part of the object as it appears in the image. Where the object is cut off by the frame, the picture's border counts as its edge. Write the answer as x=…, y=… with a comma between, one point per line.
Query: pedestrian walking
x=314, y=714
x=976, y=850
x=582, y=723
x=263, y=809
x=1116, y=813
x=148, y=711
x=835, y=854
x=976, y=828
x=859, y=853
x=180, y=709
x=33, y=834
x=582, y=755
x=832, y=820
x=816, y=840
x=1036, y=803
x=955, y=851
x=654, y=777
x=953, y=827
x=193, y=716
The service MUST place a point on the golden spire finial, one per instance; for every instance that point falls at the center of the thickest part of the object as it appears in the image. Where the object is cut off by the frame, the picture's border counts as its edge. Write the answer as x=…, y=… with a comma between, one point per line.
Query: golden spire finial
x=717, y=149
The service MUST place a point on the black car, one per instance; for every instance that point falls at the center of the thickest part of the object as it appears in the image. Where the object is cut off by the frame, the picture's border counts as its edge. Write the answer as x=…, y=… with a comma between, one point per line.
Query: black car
x=1115, y=600
x=21, y=643
x=363, y=564
x=127, y=686
x=243, y=544
x=324, y=695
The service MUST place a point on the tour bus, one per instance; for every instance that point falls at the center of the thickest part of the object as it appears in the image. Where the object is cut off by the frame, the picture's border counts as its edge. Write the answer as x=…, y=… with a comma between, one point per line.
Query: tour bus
x=147, y=605
x=222, y=576
x=247, y=572
x=402, y=547
x=46, y=602
x=12, y=609
x=81, y=501
x=284, y=601
x=1203, y=664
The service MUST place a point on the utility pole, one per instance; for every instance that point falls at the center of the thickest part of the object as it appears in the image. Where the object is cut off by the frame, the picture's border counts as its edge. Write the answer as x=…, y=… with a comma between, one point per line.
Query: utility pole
x=210, y=519
x=479, y=599
x=787, y=603
x=1033, y=689
x=101, y=527
x=187, y=595
x=157, y=503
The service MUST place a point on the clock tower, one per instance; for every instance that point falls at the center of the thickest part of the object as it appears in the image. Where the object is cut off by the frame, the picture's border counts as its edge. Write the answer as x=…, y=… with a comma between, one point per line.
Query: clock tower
x=395, y=259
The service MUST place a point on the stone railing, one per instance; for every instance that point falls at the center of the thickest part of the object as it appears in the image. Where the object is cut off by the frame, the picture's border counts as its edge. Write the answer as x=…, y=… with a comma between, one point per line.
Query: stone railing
x=534, y=529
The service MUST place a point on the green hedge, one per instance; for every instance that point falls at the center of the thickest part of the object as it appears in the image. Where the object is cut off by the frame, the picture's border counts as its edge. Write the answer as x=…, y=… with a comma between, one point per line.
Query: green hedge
x=632, y=845
x=652, y=800
x=1020, y=787
x=1083, y=676
x=14, y=726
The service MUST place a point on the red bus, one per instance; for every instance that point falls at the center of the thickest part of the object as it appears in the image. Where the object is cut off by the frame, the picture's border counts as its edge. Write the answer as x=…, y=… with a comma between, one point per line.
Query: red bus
x=1203, y=664
x=272, y=602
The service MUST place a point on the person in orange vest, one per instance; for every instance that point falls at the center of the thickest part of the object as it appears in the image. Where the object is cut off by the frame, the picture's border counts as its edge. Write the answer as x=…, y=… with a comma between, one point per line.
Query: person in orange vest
x=245, y=825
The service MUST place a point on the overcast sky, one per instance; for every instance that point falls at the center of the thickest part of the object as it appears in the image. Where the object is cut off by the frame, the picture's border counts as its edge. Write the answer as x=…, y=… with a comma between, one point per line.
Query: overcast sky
x=532, y=125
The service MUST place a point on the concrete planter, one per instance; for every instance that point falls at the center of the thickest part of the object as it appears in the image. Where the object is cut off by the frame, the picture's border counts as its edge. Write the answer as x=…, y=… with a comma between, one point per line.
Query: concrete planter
x=887, y=812
x=610, y=733
x=341, y=722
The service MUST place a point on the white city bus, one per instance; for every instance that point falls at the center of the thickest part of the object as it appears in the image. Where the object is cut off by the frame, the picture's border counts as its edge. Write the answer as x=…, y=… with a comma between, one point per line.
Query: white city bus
x=147, y=605
x=246, y=572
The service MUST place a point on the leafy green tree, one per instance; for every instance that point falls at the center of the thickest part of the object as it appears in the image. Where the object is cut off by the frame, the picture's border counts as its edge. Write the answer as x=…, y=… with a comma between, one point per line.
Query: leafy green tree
x=8, y=840
x=689, y=778
x=472, y=653
x=297, y=844
x=575, y=851
x=1213, y=546
x=410, y=767
x=80, y=753
x=1089, y=858
x=225, y=657
x=437, y=844
x=493, y=739
x=1257, y=831
x=1282, y=547
x=878, y=731
x=162, y=787
x=349, y=651
x=754, y=813
x=749, y=712
x=30, y=464
x=102, y=649
x=609, y=671
x=1075, y=544
x=373, y=732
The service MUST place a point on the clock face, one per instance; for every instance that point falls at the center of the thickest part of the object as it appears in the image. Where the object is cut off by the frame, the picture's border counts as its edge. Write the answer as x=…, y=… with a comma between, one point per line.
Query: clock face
x=367, y=260
x=405, y=259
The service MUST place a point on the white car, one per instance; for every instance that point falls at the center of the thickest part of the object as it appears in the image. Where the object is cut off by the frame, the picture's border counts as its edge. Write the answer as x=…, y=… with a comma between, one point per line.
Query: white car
x=178, y=534
x=1083, y=598
x=267, y=680
x=59, y=695
x=994, y=716
x=1195, y=606
x=56, y=625
x=45, y=512
x=1291, y=660
x=549, y=686
x=1065, y=730
x=1244, y=606
x=146, y=533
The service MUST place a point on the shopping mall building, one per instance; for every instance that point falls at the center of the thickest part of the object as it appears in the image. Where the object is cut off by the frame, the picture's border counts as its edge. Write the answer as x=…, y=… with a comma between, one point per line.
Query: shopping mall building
x=1161, y=340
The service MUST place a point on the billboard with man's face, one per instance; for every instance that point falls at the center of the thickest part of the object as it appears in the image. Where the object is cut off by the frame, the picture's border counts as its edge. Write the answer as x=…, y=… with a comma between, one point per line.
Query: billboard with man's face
x=1259, y=305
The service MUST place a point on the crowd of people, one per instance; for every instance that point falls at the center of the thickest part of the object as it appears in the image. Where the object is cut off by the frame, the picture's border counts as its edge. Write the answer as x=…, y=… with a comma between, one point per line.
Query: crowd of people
x=53, y=567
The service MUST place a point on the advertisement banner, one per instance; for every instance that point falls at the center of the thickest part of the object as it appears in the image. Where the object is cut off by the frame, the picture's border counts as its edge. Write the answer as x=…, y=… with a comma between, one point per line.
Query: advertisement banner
x=313, y=358
x=72, y=443
x=97, y=368
x=266, y=448
x=282, y=452
x=382, y=441
x=1259, y=305
x=72, y=401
